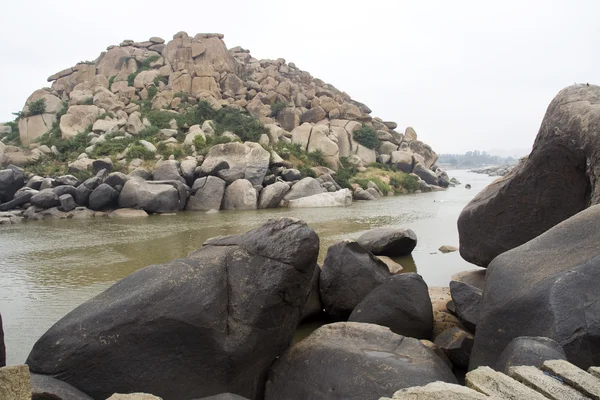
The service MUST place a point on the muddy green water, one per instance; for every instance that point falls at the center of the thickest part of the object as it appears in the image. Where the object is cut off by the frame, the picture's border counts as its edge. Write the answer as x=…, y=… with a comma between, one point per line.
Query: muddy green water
x=48, y=268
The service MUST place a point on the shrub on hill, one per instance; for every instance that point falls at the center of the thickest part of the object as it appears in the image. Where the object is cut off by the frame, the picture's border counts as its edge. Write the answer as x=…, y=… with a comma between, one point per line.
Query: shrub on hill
x=366, y=136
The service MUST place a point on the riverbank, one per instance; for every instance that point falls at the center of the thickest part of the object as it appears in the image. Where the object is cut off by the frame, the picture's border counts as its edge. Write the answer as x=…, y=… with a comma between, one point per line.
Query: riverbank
x=50, y=267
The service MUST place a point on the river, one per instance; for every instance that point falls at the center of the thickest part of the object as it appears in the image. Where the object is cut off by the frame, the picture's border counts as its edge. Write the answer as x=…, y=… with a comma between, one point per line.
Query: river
x=47, y=268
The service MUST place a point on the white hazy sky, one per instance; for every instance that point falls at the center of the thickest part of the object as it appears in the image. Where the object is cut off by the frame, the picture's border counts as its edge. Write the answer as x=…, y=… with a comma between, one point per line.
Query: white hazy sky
x=465, y=74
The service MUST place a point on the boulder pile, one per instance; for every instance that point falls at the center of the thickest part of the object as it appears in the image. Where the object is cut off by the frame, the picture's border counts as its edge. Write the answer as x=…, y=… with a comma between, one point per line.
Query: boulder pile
x=153, y=86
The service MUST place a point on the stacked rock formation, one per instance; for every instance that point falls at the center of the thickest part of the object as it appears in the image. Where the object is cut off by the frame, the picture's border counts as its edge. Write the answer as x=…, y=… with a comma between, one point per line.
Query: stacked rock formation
x=295, y=106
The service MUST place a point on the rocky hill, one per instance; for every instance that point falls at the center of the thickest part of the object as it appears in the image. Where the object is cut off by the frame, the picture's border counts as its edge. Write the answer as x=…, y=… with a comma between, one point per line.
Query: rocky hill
x=190, y=100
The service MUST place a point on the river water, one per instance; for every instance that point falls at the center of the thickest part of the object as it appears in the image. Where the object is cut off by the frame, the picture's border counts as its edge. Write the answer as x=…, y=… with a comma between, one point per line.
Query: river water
x=47, y=268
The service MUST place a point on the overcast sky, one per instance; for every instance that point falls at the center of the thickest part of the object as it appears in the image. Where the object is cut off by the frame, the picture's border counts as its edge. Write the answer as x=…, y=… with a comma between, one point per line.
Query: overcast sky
x=465, y=74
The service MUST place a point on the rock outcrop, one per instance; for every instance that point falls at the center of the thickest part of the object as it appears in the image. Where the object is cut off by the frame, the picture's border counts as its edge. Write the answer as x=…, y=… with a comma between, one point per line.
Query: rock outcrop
x=348, y=275
x=537, y=195
x=354, y=361
x=216, y=320
x=546, y=287
x=189, y=108
x=401, y=303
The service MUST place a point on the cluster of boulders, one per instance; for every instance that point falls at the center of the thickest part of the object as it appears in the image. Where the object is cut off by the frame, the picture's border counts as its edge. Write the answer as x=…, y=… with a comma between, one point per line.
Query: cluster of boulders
x=222, y=319
x=494, y=171
x=233, y=176
x=536, y=231
x=295, y=107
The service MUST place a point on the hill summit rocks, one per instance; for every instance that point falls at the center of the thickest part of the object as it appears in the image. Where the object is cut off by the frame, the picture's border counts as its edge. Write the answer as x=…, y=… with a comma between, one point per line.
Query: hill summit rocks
x=105, y=94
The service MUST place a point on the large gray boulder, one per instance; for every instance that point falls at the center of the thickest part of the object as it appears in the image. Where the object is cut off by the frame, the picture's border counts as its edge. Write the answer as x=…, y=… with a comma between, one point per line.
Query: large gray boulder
x=150, y=196
x=536, y=194
x=240, y=195
x=188, y=170
x=65, y=189
x=67, y=203
x=44, y=387
x=348, y=275
x=353, y=361
x=425, y=174
x=304, y=188
x=249, y=157
x=401, y=303
x=45, y=199
x=103, y=197
x=207, y=194
x=167, y=170
x=532, y=351
x=271, y=196
x=546, y=287
x=387, y=241
x=211, y=323
x=11, y=180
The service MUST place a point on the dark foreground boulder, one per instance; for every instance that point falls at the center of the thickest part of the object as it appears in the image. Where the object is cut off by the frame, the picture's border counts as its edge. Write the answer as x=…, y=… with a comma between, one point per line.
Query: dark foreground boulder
x=11, y=180
x=348, y=275
x=457, y=344
x=532, y=351
x=547, y=287
x=210, y=323
x=401, y=303
x=466, y=300
x=537, y=194
x=313, y=306
x=390, y=242
x=353, y=361
x=44, y=387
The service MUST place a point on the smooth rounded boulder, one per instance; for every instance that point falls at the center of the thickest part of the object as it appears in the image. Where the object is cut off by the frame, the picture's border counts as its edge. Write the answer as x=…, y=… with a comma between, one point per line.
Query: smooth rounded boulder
x=149, y=196
x=546, y=287
x=353, y=361
x=11, y=180
x=44, y=387
x=348, y=275
x=210, y=323
x=532, y=351
x=240, y=195
x=45, y=199
x=392, y=242
x=536, y=195
x=207, y=194
x=103, y=197
x=401, y=303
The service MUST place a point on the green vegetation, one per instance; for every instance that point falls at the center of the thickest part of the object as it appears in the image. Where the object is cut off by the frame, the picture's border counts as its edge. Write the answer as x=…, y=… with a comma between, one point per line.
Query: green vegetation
x=346, y=172
x=246, y=127
x=13, y=137
x=152, y=91
x=203, y=146
x=162, y=79
x=405, y=181
x=277, y=108
x=142, y=66
x=316, y=158
x=364, y=183
x=306, y=171
x=139, y=151
x=111, y=80
x=37, y=107
x=366, y=136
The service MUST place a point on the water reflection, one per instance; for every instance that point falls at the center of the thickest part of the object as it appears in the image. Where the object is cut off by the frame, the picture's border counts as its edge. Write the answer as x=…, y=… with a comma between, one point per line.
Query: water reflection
x=47, y=268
